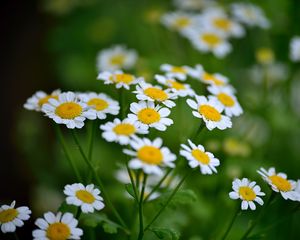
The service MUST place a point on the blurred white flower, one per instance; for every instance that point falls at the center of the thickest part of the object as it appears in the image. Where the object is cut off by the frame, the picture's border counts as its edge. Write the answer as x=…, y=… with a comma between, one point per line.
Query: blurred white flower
x=37, y=100
x=295, y=49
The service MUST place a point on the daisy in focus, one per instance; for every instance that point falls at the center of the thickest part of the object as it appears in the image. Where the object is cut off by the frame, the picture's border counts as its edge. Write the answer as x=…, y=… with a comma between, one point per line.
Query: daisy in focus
x=210, y=111
x=101, y=103
x=147, y=114
x=68, y=110
x=119, y=78
x=121, y=131
x=197, y=156
x=178, y=72
x=147, y=92
x=86, y=197
x=228, y=100
x=280, y=183
x=61, y=226
x=180, y=89
x=249, y=192
x=116, y=57
x=295, y=49
x=150, y=156
x=11, y=217
x=37, y=100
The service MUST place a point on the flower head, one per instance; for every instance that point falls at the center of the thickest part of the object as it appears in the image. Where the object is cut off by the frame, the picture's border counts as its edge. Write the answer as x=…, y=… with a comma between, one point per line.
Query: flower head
x=11, y=217
x=178, y=72
x=37, y=100
x=295, y=49
x=249, y=192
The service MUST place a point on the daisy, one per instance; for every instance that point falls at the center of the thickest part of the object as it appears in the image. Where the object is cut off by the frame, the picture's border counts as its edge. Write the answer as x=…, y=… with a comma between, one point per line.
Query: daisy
x=178, y=88
x=210, y=111
x=149, y=155
x=147, y=92
x=250, y=15
x=121, y=131
x=68, y=110
x=214, y=79
x=147, y=114
x=228, y=100
x=119, y=78
x=61, y=226
x=197, y=156
x=178, y=72
x=249, y=192
x=279, y=183
x=116, y=57
x=101, y=103
x=37, y=100
x=11, y=217
x=295, y=49
x=86, y=197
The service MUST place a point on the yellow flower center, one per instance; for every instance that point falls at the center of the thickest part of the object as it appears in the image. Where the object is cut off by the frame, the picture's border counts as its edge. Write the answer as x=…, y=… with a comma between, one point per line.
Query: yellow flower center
x=69, y=110
x=247, y=193
x=156, y=94
x=222, y=23
x=124, y=129
x=265, y=55
x=200, y=156
x=148, y=116
x=210, y=113
x=8, y=215
x=85, y=196
x=58, y=231
x=178, y=70
x=117, y=59
x=123, y=78
x=98, y=104
x=176, y=85
x=150, y=155
x=281, y=183
x=226, y=99
x=211, y=78
x=182, y=22
x=211, y=39
x=44, y=100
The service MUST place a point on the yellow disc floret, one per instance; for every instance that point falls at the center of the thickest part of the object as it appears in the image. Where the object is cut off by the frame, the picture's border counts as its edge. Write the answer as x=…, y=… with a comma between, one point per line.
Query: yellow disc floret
x=98, y=104
x=211, y=39
x=200, y=156
x=124, y=129
x=123, y=78
x=148, y=116
x=222, y=23
x=210, y=113
x=247, y=193
x=150, y=155
x=69, y=110
x=58, y=231
x=44, y=100
x=182, y=22
x=211, y=78
x=85, y=196
x=156, y=94
x=227, y=100
x=117, y=59
x=8, y=215
x=176, y=85
x=178, y=70
x=281, y=183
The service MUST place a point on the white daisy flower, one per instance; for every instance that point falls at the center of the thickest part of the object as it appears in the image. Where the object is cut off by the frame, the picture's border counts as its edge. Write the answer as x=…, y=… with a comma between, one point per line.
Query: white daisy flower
x=228, y=100
x=178, y=72
x=214, y=79
x=295, y=49
x=210, y=111
x=197, y=156
x=68, y=110
x=87, y=197
x=101, y=103
x=121, y=131
x=148, y=92
x=60, y=226
x=149, y=155
x=279, y=183
x=11, y=217
x=147, y=114
x=249, y=192
x=297, y=190
x=37, y=100
x=180, y=89
x=119, y=78
x=116, y=57
x=209, y=40
x=250, y=15
x=192, y=5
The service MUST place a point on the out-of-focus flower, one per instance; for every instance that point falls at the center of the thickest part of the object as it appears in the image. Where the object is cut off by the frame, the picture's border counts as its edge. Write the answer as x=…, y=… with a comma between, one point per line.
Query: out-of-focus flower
x=210, y=111
x=150, y=156
x=147, y=114
x=153, y=15
x=178, y=72
x=264, y=56
x=197, y=156
x=37, y=100
x=295, y=49
x=214, y=79
x=121, y=131
x=249, y=192
x=193, y=5
x=68, y=110
x=11, y=217
x=236, y=147
x=116, y=57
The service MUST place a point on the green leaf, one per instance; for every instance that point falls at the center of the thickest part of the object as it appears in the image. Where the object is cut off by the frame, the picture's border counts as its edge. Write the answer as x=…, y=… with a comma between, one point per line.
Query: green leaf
x=110, y=228
x=64, y=207
x=130, y=190
x=165, y=233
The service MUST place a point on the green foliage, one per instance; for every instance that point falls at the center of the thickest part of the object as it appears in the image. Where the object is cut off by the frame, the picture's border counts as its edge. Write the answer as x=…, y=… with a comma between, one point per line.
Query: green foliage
x=129, y=189
x=165, y=233
x=64, y=207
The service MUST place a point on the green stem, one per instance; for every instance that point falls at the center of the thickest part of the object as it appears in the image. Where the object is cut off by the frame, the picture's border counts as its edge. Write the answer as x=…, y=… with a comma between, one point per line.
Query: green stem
x=132, y=183
x=141, y=201
x=121, y=102
x=201, y=127
x=91, y=146
x=99, y=182
x=78, y=212
x=67, y=153
x=231, y=223
x=167, y=202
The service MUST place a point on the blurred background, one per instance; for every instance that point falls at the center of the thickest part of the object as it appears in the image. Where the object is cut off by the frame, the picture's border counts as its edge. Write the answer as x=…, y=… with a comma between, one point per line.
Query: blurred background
x=53, y=44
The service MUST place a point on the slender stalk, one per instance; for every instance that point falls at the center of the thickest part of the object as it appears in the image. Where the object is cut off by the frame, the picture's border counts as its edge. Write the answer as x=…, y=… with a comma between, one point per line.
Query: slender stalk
x=167, y=202
x=67, y=153
x=141, y=201
x=231, y=222
x=99, y=182
x=91, y=146
x=201, y=127
x=132, y=183
x=121, y=102
x=78, y=212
